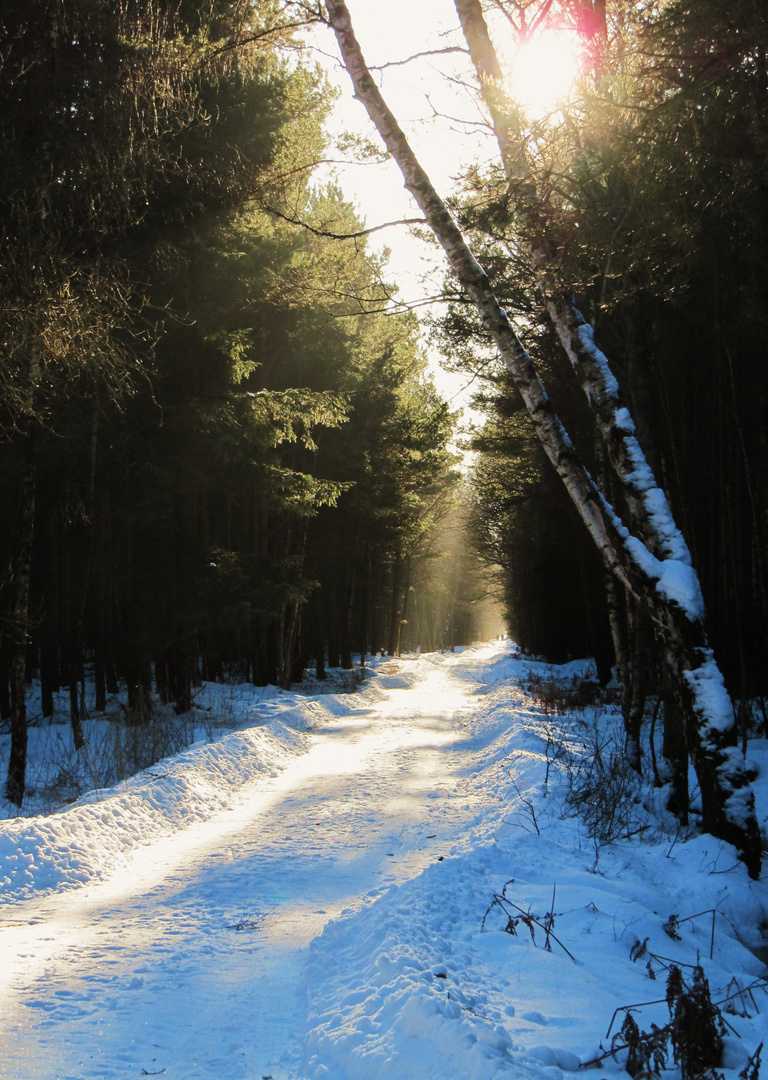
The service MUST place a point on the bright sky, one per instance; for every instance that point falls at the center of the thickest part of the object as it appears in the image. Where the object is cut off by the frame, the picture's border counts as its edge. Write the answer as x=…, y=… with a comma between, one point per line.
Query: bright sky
x=417, y=92
x=439, y=115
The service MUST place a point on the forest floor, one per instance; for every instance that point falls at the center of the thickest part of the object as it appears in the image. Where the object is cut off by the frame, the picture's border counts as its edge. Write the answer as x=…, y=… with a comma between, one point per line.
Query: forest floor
x=311, y=894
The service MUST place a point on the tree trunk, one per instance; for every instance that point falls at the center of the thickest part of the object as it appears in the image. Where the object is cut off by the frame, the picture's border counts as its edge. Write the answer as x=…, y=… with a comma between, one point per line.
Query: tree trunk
x=668, y=589
x=633, y=706
x=675, y=750
x=346, y=627
x=5, y=677
x=648, y=511
x=20, y=628
x=405, y=593
x=319, y=647
x=394, y=606
x=72, y=652
x=691, y=669
x=49, y=628
x=333, y=621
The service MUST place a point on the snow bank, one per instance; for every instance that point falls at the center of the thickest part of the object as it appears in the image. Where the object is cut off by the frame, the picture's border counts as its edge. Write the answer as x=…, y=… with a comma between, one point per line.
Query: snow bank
x=100, y=831
x=427, y=982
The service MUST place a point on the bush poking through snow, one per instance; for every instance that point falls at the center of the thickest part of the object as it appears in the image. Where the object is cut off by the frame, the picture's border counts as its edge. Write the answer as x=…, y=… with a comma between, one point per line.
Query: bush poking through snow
x=516, y=915
x=697, y=1027
x=555, y=697
x=646, y=1051
x=694, y=1033
x=751, y=1070
x=249, y=922
x=113, y=752
x=603, y=788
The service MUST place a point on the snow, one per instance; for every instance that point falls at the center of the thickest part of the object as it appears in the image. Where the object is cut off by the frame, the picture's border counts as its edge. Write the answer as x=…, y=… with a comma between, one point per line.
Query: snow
x=312, y=896
x=709, y=688
x=679, y=580
x=676, y=580
x=587, y=337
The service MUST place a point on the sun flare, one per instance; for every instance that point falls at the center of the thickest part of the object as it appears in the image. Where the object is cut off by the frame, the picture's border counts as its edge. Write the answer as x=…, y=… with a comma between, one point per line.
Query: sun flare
x=545, y=69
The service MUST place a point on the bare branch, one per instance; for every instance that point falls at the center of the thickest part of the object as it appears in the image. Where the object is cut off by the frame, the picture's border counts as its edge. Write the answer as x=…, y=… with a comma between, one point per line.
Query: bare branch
x=341, y=236
x=420, y=56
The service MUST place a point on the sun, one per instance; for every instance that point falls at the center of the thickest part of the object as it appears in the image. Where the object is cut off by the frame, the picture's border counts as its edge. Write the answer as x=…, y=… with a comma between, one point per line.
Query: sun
x=545, y=68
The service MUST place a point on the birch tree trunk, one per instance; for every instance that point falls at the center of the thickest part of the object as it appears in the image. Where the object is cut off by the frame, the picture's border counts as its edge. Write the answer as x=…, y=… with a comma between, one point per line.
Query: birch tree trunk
x=648, y=511
x=653, y=569
x=647, y=506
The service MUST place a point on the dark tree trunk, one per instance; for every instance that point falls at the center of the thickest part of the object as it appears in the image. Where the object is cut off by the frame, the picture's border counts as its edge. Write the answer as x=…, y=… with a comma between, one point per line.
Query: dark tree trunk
x=49, y=637
x=162, y=678
x=675, y=751
x=334, y=639
x=5, y=684
x=99, y=681
x=72, y=651
x=641, y=663
x=394, y=605
x=20, y=629
x=405, y=594
x=319, y=639
x=345, y=641
x=138, y=678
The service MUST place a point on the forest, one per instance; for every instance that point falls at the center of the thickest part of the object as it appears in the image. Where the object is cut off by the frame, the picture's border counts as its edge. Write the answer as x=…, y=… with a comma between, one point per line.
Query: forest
x=222, y=454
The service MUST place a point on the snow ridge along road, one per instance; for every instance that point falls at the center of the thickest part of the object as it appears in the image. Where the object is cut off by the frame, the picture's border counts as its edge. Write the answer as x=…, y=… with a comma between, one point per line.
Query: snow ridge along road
x=304, y=900
x=193, y=951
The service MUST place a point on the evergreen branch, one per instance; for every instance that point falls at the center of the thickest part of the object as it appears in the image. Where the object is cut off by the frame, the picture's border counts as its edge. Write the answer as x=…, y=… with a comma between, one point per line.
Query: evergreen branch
x=251, y=39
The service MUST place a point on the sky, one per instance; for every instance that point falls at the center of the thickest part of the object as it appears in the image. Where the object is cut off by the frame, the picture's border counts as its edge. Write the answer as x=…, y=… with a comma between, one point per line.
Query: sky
x=416, y=92
x=431, y=109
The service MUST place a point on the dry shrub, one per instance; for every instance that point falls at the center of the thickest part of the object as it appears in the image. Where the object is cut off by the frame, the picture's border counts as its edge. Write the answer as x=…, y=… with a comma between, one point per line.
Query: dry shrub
x=694, y=1033
x=558, y=698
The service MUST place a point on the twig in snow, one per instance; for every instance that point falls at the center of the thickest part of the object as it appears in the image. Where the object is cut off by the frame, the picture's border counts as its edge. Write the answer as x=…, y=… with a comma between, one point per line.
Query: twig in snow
x=501, y=900
x=248, y=922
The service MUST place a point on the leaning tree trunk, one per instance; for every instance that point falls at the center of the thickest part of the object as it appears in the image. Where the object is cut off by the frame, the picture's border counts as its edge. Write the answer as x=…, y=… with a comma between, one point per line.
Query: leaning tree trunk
x=647, y=507
x=711, y=732
x=667, y=587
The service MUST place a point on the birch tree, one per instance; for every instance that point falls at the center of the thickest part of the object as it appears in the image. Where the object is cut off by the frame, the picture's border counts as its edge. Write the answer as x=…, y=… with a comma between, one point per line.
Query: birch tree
x=646, y=553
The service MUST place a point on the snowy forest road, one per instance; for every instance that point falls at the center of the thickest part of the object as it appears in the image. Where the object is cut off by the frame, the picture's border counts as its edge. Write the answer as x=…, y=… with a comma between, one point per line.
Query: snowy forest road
x=190, y=963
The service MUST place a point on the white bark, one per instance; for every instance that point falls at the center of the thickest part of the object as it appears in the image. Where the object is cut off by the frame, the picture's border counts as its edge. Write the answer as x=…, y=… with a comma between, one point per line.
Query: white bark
x=658, y=544
x=665, y=586
x=650, y=516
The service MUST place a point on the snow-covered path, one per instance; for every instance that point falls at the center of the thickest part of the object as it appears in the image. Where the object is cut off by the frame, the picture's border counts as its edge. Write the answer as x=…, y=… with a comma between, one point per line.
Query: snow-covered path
x=202, y=937
x=310, y=898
